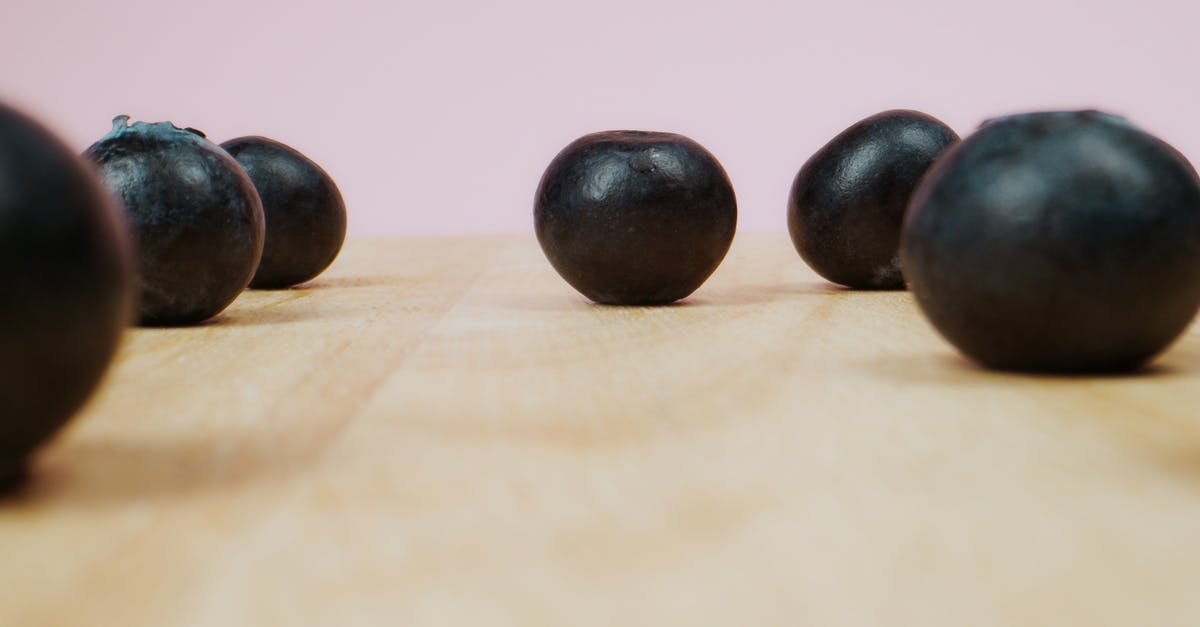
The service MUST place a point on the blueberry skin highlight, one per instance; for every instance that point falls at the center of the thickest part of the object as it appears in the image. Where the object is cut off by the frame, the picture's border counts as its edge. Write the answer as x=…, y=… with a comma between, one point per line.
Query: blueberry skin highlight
x=1057, y=242
x=635, y=218
x=847, y=203
x=196, y=218
x=305, y=213
x=67, y=270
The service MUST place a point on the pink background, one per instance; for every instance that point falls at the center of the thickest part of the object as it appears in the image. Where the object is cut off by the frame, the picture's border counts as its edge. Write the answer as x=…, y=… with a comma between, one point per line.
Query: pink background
x=440, y=116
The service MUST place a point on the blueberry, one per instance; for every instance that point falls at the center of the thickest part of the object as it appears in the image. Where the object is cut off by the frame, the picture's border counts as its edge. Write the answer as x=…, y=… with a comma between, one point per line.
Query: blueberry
x=848, y=201
x=1057, y=242
x=67, y=271
x=196, y=219
x=305, y=214
x=635, y=218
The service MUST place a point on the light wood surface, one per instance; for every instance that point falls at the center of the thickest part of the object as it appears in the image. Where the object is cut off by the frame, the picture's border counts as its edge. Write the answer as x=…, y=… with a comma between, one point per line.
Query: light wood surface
x=441, y=432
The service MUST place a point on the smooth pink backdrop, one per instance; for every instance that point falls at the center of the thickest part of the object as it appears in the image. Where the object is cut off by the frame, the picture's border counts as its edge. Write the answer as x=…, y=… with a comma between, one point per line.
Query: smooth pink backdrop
x=440, y=116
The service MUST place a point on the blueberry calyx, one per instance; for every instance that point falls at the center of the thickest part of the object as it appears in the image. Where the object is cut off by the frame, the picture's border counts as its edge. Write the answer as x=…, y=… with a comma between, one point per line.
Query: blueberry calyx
x=122, y=125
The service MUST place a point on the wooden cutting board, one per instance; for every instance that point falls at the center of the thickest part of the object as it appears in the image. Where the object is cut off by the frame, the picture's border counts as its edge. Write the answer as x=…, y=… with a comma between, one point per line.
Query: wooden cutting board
x=440, y=431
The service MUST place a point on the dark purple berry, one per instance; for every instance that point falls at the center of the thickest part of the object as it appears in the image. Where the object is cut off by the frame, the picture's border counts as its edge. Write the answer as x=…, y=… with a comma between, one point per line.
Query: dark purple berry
x=196, y=219
x=635, y=218
x=848, y=201
x=305, y=214
x=67, y=271
x=1061, y=241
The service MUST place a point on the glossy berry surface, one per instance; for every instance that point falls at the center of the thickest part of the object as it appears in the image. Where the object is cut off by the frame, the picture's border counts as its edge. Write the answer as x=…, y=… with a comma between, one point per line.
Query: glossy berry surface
x=304, y=211
x=196, y=218
x=847, y=203
x=1059, y=242
x=635, y=218
x=67, y=272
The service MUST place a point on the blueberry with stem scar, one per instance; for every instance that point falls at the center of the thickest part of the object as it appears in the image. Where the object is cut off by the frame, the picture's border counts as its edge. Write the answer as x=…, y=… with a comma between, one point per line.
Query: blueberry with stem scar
x=196, y=219
x=635, y=218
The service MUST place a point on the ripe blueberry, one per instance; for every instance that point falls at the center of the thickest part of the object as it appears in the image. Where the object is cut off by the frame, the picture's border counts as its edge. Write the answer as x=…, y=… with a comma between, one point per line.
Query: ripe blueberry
x=1058, y=241
x=304, y=211
x=635, y=218
x=197, y=221
x=848, y=201
x=67, y=271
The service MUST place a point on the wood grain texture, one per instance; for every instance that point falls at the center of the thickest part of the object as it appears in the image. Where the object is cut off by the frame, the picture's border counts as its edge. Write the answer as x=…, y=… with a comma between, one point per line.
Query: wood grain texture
x=440, y=432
